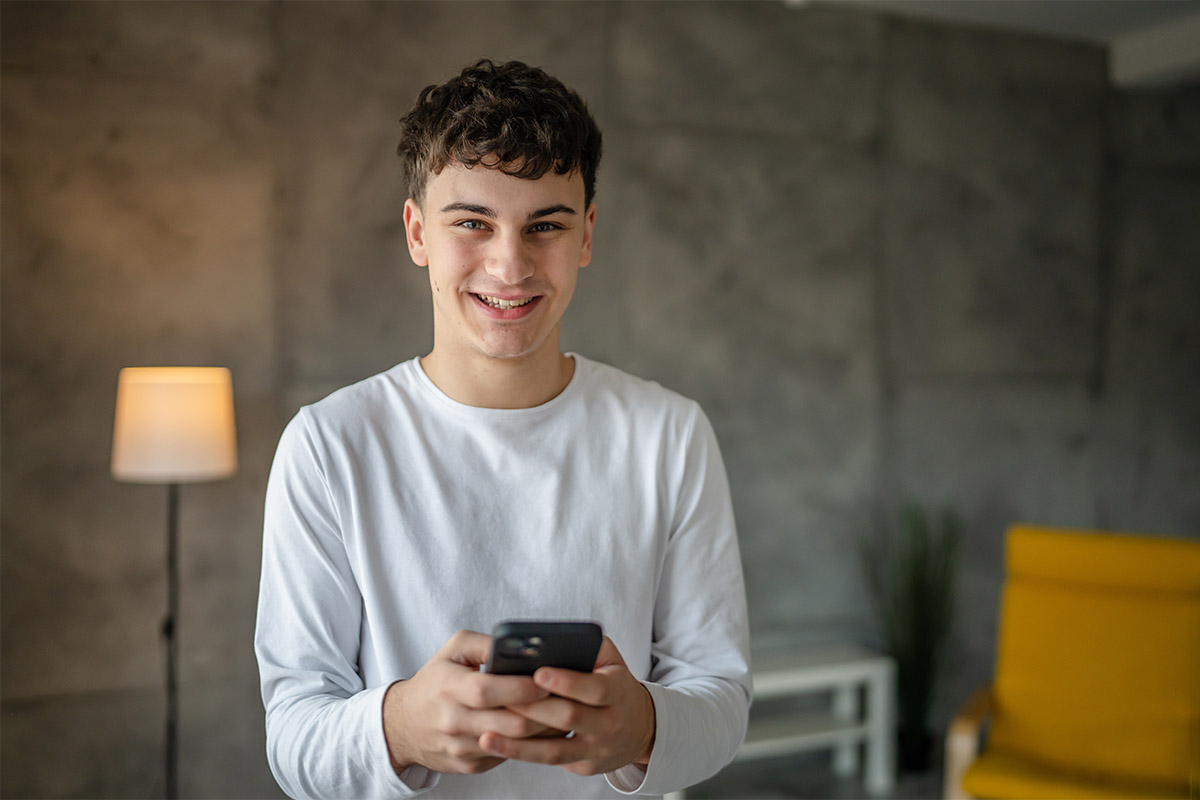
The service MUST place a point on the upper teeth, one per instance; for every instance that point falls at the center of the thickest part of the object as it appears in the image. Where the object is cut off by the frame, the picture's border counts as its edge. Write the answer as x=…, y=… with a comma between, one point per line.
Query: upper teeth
x=496, y=302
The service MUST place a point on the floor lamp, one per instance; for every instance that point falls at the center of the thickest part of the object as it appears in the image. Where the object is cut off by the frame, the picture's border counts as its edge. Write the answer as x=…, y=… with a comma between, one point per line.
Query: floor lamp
x=173, y=425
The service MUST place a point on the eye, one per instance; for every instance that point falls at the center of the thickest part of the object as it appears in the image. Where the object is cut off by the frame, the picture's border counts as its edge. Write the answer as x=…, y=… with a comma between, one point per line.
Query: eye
x=544, y=227
x=472, y=225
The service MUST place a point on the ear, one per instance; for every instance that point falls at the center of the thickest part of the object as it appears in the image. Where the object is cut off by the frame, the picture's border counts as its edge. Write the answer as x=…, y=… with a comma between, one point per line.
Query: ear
x=589, y=226
x=414, y=232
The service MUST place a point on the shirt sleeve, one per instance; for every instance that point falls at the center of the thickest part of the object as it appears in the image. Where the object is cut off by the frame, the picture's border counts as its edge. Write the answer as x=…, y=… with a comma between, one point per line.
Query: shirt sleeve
x=700, y=674
x=324, y=727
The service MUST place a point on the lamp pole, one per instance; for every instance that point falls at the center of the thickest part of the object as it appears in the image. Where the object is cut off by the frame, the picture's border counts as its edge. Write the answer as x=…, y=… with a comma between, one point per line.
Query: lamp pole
x=168, y=630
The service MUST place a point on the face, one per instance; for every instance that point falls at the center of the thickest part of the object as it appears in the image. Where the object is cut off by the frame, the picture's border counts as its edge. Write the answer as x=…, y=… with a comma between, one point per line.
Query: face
x=503, y=254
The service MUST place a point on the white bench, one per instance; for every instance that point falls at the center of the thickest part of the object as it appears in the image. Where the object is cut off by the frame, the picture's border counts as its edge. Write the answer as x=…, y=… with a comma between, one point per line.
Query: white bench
x=843, y=670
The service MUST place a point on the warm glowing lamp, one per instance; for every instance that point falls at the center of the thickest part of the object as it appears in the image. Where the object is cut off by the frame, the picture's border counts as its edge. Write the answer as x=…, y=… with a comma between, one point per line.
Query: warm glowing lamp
x=173, y=425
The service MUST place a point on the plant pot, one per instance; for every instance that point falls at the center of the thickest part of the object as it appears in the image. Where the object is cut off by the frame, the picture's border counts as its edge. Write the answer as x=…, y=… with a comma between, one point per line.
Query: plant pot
x=914, y=750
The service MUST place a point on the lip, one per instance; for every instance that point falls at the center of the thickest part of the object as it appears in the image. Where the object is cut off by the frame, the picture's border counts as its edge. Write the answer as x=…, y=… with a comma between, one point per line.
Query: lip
x=505, y=313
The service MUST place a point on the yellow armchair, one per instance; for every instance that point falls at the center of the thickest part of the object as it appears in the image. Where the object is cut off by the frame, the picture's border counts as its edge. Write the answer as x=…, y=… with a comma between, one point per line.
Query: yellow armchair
x=1096, y=692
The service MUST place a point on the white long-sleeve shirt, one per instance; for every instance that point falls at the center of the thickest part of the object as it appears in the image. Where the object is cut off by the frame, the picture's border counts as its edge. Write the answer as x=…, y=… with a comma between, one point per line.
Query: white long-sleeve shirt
x=396, y=516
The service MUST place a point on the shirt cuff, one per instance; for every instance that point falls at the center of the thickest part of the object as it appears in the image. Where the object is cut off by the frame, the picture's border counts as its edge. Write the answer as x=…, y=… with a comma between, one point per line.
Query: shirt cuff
x=413, y=779
x=417, y=778
x=633, y=779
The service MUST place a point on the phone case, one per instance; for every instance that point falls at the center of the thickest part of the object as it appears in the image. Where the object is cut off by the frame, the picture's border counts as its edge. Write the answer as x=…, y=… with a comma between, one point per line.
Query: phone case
x=519, y=647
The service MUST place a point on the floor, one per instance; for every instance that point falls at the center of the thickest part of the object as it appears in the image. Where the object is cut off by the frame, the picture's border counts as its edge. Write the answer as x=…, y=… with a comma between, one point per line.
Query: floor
x=806, y=776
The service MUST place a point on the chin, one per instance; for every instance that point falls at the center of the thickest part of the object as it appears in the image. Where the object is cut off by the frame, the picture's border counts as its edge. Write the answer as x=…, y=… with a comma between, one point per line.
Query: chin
x=509, y=351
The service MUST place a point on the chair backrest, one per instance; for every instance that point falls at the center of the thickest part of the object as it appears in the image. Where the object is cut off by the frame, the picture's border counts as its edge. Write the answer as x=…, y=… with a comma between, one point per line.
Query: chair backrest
x=1098, y=657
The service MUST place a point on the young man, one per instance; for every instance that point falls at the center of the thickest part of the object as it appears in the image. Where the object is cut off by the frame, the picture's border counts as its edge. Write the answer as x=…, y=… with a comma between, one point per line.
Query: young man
x=498, y=478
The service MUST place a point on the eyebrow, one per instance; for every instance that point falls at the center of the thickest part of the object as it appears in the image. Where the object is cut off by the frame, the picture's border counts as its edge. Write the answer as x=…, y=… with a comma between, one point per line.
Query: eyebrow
x=550, y=210
x=485, y=211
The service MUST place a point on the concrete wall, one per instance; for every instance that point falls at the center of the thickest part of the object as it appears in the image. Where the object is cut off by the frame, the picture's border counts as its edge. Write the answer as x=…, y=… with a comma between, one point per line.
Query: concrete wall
x=892, y=259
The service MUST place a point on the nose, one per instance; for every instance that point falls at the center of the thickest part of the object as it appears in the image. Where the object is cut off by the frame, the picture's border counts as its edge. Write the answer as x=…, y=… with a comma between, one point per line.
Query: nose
x=508, y=259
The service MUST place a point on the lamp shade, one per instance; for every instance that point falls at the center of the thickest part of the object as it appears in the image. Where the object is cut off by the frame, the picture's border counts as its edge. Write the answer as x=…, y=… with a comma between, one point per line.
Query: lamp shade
x=174, y=425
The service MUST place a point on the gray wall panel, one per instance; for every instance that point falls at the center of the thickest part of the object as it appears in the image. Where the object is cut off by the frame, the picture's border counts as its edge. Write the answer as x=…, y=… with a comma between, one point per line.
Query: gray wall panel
x=891, y=259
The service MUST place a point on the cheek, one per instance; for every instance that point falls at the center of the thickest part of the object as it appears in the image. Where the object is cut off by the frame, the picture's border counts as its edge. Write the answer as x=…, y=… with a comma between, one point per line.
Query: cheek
x=455, y=252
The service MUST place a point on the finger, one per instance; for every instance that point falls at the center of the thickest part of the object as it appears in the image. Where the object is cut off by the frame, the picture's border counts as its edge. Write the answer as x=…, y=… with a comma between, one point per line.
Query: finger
x=590, y=688
x=537, y=751
x=480, y=765
x=470, y=648
x=548, y=733
x=463, y=754
x=480, y=690
x=608, y=655
x=506, y=723
x=560, y=713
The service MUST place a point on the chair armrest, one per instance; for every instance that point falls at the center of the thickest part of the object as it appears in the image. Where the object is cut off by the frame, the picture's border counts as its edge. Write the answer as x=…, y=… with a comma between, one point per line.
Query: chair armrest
x=962, y=741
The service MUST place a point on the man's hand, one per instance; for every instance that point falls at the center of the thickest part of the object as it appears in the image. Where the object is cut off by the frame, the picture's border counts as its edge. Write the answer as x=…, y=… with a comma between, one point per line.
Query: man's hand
x=610, y=713
x=436, y=717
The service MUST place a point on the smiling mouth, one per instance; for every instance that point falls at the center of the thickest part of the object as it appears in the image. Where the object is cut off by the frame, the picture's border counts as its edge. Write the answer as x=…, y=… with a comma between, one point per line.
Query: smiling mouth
x=496, y=302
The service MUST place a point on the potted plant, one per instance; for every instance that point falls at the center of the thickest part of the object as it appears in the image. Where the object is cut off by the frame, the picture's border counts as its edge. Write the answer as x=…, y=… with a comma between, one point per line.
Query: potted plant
x=911, y=573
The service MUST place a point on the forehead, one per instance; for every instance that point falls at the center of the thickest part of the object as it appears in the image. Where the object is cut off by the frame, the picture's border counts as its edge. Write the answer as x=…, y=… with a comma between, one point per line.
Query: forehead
x=480, y=185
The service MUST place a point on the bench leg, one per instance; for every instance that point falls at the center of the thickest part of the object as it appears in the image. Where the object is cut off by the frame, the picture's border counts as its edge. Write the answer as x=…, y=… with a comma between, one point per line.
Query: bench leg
x=845, y=709
x=881, y=747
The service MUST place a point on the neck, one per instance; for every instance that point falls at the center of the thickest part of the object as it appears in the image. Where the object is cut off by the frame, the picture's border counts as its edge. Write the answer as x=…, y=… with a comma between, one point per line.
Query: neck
x=500, y=383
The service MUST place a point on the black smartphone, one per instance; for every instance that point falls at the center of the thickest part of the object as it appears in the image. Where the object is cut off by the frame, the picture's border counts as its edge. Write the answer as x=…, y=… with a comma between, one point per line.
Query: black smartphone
x=519, y=647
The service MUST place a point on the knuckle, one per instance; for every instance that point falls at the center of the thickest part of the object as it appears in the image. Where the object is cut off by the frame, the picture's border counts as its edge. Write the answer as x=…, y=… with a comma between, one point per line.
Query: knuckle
x=572, y=716
x=473, y=693
x=458, y=750
x=448, y=721
x=557, y=754
x=476, y=697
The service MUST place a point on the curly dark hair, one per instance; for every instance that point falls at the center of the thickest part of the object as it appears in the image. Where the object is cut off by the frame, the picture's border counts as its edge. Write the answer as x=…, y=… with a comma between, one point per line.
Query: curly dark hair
x=511, y=117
